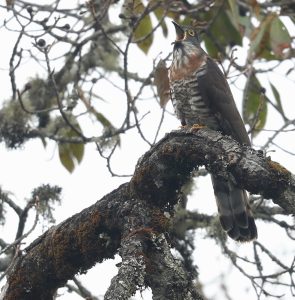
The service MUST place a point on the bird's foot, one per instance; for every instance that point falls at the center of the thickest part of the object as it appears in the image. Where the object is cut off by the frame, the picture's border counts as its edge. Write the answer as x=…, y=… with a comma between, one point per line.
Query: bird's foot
x=197, y=127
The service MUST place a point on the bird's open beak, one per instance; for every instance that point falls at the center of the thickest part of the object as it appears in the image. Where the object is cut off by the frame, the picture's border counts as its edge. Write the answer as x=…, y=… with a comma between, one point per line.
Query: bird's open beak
x=179, y=31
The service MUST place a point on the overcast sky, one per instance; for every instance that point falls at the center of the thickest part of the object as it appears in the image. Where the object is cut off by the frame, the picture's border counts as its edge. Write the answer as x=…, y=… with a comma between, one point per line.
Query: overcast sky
x=22, y=170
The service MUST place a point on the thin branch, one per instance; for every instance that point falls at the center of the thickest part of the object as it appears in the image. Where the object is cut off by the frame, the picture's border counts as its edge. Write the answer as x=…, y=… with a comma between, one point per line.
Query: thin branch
x=60, y=107
x=12, y=68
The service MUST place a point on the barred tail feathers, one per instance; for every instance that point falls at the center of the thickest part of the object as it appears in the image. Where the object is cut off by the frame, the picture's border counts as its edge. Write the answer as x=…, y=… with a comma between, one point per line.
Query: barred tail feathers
x=234, y=212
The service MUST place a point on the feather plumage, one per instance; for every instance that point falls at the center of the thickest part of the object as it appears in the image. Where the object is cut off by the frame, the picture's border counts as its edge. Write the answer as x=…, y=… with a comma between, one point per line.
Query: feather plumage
x=201, y=95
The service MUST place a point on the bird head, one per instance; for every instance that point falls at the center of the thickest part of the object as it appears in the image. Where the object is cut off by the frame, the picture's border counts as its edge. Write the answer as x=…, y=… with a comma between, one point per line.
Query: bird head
x=186, y=45
x=186, y=34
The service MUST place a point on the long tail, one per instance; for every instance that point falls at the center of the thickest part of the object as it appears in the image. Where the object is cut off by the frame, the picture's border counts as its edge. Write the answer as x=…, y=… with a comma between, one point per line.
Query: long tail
x=234, y=211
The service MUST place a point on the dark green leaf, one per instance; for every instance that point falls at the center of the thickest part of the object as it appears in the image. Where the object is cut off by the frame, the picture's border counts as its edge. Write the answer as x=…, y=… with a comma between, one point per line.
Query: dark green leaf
x=77, y=151
x=137, y=6
x=246, y=26
x=254, y=105
x=65, y=156
x=234, y=12
x=211, y=47
x=101, y=118
x=142, y=35
x=278, y=99
x=267, y=53
x=222, y=34
x=279, y=37
x=144, y=28
x=159, y=12
x=260, y=37
x=71, y=153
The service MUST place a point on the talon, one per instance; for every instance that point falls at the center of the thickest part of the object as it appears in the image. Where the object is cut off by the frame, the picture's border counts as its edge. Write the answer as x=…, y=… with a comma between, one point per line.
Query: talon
x=197, y=127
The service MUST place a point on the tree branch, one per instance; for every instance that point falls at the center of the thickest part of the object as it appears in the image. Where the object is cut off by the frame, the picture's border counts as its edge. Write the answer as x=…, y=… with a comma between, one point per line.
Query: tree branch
x=133, y=216
x=162, y=171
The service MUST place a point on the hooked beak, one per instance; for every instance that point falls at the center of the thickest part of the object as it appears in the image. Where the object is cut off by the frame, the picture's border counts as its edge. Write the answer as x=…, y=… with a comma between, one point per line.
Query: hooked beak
x=179, y=31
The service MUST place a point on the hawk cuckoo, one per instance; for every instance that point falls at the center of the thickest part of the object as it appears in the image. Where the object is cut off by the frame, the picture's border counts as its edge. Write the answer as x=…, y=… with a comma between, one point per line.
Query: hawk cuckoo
x=201, y=95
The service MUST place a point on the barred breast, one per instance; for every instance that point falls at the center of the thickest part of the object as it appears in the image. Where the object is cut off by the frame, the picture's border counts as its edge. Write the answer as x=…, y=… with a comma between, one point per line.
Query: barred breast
x=188, y=103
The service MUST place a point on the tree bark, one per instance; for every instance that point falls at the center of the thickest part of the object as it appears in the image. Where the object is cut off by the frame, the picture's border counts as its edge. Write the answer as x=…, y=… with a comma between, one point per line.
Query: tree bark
x=133, y=222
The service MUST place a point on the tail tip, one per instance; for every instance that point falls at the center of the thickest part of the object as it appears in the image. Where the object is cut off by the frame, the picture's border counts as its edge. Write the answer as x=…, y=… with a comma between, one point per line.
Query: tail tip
x=240, y=233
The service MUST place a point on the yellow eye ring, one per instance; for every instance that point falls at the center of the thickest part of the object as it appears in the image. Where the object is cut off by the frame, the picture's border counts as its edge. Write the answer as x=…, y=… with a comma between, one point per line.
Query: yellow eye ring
x=191, y=32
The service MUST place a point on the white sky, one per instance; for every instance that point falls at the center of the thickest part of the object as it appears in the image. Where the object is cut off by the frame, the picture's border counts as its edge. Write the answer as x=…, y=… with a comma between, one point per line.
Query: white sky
x=23, y=170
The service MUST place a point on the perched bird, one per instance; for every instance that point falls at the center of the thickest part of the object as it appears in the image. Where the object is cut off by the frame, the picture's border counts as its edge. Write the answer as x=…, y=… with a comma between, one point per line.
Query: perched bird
x=201, y=95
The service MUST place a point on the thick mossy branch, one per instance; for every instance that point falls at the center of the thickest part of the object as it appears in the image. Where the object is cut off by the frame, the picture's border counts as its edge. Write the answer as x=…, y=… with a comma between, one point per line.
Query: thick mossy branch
x=64, y=250
x=162, y=171
x=135, y=213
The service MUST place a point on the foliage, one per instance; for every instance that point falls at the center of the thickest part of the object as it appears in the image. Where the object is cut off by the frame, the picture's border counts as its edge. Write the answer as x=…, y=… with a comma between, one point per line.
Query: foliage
x=225, y=25
x=13, y=125
x=86, y=91
x=47, y=196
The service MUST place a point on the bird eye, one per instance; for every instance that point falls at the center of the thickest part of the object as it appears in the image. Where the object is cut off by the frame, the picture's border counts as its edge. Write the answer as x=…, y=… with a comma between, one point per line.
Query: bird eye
x=191, y=32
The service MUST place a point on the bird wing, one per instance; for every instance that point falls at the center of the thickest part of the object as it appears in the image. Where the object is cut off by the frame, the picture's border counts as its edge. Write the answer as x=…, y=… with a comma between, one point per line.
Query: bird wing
x=216, y=93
